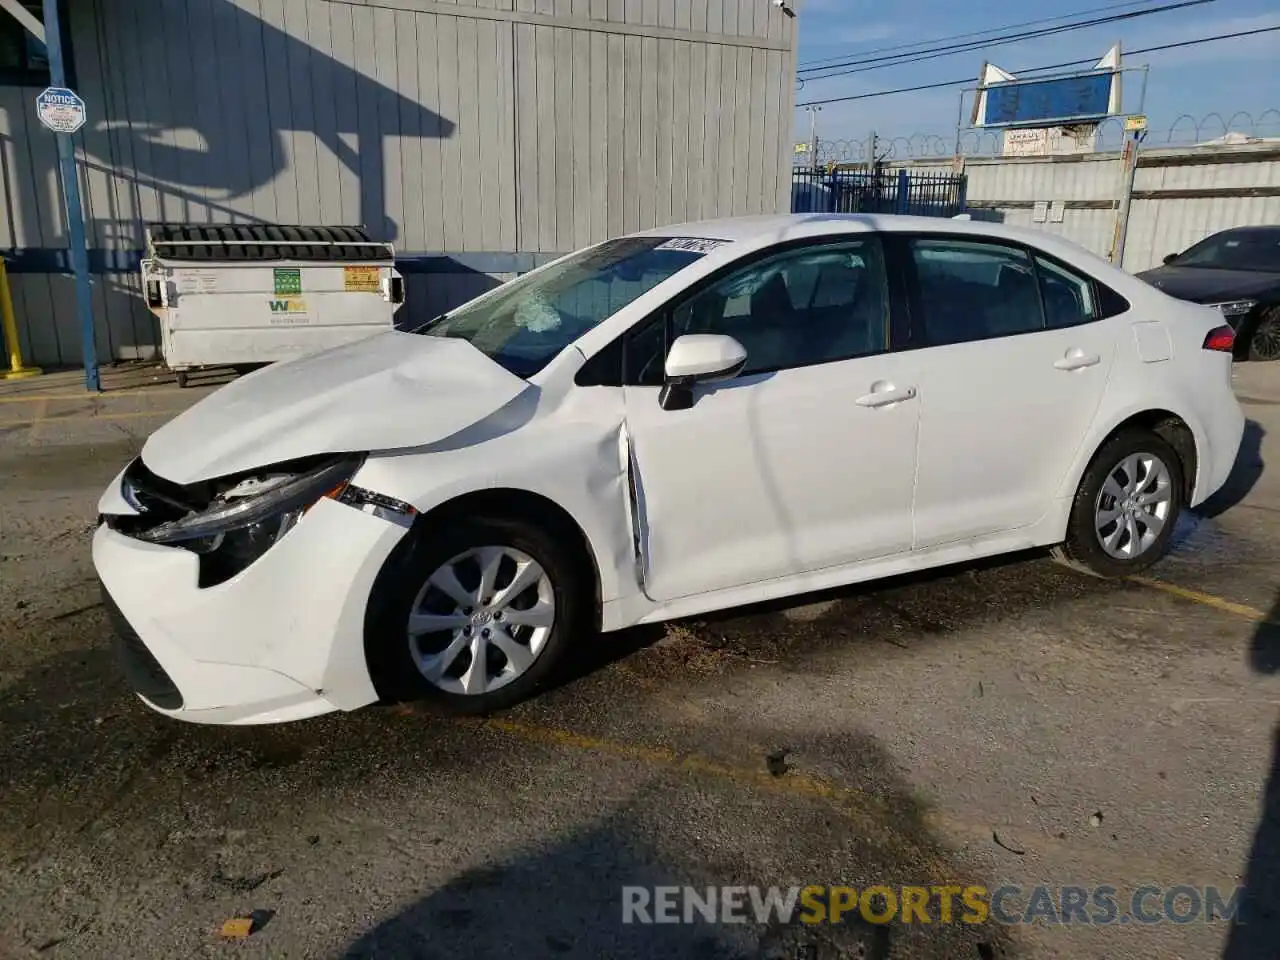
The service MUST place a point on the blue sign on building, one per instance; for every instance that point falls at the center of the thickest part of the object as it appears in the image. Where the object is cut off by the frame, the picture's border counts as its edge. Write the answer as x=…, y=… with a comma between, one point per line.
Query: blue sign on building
x=1033, y=102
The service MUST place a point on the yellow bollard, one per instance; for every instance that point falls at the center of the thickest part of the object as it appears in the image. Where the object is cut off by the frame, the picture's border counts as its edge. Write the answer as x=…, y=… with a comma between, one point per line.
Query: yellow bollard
x=9, y=326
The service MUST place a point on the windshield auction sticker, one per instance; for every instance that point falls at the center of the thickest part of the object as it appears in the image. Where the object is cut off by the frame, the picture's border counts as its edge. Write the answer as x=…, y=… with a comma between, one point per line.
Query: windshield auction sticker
x=691, y=244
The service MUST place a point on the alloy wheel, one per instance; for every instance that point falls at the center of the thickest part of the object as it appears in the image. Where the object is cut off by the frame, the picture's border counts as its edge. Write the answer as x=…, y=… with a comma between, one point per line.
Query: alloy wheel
x=1133, y=506
x=481, y=620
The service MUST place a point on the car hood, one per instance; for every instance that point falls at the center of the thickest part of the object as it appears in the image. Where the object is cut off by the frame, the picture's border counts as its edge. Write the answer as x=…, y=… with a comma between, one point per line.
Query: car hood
x=389, y=391
x=1204, y=285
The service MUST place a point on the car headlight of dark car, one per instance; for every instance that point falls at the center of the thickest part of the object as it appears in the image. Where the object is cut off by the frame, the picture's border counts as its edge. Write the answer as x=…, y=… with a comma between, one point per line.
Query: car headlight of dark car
x=1234, y=309
x=245, y=515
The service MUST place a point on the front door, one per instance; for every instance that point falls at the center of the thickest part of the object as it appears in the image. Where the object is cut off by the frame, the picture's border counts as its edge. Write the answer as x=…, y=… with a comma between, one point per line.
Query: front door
x=803, y=461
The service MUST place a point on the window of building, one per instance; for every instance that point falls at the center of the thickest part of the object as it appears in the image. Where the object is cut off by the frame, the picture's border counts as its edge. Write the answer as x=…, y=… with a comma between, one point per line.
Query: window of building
x=24, y=60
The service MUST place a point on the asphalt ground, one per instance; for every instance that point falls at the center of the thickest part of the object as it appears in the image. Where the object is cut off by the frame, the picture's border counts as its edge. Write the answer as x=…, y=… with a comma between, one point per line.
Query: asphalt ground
x=1008, y=723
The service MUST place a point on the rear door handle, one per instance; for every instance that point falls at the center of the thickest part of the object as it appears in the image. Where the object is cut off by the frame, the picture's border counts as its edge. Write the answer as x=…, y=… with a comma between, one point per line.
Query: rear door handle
x=885, y=396
x=1077, y=359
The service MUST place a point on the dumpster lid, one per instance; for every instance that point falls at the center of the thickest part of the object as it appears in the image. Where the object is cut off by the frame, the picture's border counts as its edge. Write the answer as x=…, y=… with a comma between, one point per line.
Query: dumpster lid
x=257, y=242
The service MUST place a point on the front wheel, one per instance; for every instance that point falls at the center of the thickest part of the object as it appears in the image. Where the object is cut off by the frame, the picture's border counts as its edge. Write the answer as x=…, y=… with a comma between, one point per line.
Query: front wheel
x=1126, y=506
x=475, y=616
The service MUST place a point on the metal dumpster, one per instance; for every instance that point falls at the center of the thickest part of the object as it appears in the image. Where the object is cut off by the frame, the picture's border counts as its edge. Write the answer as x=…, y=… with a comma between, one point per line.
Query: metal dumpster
x=243, y=295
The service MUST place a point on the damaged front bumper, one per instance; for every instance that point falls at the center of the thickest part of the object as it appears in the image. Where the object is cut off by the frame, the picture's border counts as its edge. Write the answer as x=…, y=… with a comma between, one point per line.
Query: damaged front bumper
x=282, y=640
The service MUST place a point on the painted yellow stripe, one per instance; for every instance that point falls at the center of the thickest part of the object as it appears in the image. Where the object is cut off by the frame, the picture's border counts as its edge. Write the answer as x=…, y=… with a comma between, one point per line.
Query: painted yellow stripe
x=87, y=417
x=107, y=394
x=791, y=782
x=1205, y=599
x=853, y=803
x=866, y=809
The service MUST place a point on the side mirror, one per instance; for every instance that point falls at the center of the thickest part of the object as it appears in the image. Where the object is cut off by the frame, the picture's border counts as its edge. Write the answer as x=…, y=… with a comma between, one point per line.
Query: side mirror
x=698, y=358
x=1170, y=257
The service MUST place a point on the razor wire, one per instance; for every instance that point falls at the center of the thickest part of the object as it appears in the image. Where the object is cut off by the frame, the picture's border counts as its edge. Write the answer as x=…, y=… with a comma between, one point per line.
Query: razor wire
x=1211, y=129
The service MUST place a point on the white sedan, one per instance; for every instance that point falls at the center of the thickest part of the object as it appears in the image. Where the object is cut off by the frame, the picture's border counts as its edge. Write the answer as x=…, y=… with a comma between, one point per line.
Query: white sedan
x=657, y=426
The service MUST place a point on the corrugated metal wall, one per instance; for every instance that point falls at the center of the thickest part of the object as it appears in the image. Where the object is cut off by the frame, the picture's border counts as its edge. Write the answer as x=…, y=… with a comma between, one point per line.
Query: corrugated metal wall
x=1180, y=195
x=482, y=136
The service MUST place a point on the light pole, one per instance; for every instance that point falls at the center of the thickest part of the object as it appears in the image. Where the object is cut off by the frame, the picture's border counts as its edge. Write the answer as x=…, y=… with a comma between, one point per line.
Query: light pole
x=813, y=112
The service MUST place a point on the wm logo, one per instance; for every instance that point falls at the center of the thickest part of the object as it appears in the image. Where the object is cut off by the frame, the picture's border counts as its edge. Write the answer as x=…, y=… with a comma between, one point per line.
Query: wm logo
x=288, y=306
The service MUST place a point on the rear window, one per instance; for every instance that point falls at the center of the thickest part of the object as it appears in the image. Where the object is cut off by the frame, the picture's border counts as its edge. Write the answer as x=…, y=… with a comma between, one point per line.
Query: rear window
x=1254, y=250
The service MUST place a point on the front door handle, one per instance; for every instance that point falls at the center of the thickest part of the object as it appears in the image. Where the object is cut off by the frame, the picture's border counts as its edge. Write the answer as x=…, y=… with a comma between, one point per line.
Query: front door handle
x=882, y=395
x=1077, y=359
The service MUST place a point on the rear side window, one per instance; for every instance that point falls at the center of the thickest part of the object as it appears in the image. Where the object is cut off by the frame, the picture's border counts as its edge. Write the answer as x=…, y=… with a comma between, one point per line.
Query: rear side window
x=1110, y=303
x=972, y=290
x=1068, y=298
x=976, y=289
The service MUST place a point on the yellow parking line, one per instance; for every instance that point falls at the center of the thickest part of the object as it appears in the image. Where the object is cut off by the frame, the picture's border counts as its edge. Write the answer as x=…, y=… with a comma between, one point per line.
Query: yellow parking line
x=792, y=782
x=1205, y=599
x=84, y=395
x=852, y=802
x=76, y=418
x=860, y=806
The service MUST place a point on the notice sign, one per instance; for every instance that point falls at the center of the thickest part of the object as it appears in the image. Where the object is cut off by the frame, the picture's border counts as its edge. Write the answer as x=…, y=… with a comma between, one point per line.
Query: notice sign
x=361, y=279
x=61, y=110
x=288, y=281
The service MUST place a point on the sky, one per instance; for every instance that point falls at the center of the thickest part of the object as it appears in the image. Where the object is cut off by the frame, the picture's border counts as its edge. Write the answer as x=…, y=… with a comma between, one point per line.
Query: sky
x=1223, y=77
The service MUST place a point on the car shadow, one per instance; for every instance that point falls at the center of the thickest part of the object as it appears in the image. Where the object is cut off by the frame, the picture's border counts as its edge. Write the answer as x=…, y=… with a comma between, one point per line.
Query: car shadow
x=566, y=897
x=586, y=659
x=591, y=658
x=1244, y=474
x=1255, y=930
x=881, y=586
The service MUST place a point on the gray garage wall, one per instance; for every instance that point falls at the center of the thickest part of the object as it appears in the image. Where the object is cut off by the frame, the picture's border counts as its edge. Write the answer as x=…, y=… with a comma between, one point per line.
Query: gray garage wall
x=482, y=137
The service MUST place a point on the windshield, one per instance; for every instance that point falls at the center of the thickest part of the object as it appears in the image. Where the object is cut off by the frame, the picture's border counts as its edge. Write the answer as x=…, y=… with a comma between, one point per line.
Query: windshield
x=528, y=321
x=1257, y=250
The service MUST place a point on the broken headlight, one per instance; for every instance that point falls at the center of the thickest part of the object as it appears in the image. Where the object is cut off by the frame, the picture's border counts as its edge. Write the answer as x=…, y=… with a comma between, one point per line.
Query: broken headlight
x=242, y=521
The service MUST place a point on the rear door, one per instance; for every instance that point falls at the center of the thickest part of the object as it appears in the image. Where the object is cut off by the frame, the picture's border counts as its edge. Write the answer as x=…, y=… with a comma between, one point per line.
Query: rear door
x=1013, y=358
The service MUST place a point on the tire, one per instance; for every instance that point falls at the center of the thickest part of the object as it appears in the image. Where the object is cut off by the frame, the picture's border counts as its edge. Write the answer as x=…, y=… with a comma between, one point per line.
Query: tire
x=1264, y=339
x=1083, y=548
x=403, y=588
x=182, y=379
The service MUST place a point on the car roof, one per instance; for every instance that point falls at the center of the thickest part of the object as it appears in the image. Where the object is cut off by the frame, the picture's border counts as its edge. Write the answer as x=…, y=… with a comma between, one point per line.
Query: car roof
x=1258, y=231
x=762, y=230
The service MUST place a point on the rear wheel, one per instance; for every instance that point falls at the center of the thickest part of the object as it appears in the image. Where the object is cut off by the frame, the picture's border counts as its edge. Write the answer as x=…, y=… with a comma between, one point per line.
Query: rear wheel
x=1264, y=342
x=476, y=616
x=1126, y=506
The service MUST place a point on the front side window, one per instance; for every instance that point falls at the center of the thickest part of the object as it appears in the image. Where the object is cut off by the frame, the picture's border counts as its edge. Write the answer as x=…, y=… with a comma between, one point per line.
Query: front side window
x=972, y=290
x=814, y=304
x=531, y=319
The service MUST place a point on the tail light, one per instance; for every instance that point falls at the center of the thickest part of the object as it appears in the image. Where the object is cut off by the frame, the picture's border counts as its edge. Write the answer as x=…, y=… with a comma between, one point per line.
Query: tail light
x=1222, y=339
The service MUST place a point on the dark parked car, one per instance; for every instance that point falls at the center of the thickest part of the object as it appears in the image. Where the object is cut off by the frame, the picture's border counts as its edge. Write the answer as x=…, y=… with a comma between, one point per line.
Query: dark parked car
x=1238, y=271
